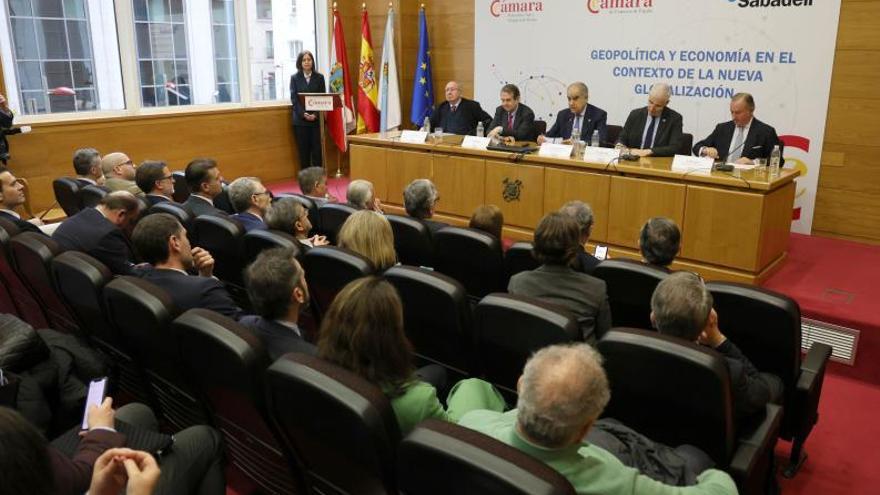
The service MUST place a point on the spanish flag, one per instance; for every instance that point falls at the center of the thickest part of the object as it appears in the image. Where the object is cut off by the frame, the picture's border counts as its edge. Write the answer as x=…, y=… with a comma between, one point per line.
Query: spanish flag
x=368, y=87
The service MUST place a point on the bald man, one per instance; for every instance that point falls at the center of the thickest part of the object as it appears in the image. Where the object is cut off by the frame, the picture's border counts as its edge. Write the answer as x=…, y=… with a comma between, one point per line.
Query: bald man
x=654, y=130
x=458, y=115
x=120, y=171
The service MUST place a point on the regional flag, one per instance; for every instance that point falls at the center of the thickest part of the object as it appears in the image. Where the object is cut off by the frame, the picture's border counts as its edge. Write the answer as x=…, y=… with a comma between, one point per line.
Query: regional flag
x=389, y=91
x=423, y=85
x=340, y=121
x=368, y=97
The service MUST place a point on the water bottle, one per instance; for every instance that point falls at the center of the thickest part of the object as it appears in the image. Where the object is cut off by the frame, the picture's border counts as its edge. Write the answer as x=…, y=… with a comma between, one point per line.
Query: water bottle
x=426, y=126
x=775, y=160
x=594, y=141
x=480, y=130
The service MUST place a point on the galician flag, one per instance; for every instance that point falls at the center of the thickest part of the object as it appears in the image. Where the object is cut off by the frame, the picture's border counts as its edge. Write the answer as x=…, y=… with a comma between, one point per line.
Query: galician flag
x=340, y=121
x=368, y=90
x=389, y=92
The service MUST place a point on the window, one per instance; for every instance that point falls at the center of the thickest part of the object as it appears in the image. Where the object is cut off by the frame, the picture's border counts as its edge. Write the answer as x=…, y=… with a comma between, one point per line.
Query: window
x=270, y=45
x=270, y=70
x=163, y=60
x=295, y=46
x=264, y=9
x=225, y=56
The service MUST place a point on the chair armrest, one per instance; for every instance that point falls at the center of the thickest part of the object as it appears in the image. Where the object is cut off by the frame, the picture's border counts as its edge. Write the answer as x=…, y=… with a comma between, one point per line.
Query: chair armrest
x=813, y=367
x=750, y=461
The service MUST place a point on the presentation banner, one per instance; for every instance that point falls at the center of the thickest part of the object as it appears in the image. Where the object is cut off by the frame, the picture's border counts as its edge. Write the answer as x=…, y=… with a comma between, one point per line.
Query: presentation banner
x=781, y=51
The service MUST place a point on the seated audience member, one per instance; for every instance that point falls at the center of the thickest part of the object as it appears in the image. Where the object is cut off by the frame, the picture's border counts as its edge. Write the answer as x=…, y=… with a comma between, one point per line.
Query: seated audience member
x=156, y=181
x=654, y=130
x=276, y=287
x=363, y=332
x=682, y=307
x=361, y=196
x=369, y=234
x=556, y=247
x=489, y=219
x=33, y=466
x=290, y=216
x=12, y=195
x=562, y=392
x=120, y=172
x=579, y=115
x=741, y=139
x=102, y=232
x=659, y=242
x=313, y=184
x=87, y=165
x=250, y=199
x=583, y=215
x=204, y=182
x=513, y=121
x=160, y=240
x=458, y=115
x=420, y=198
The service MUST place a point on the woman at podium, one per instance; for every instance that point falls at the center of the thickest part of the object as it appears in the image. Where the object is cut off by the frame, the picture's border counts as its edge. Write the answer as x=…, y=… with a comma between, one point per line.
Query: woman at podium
x=306, y=124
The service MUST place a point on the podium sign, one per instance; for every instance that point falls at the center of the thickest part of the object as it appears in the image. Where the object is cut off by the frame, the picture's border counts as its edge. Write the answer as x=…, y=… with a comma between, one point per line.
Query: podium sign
x=318, y=102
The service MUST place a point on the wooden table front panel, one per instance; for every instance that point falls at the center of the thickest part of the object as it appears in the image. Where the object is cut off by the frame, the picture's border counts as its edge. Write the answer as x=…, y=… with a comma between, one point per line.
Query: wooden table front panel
x=525, y=211
x=776, y=224
x=722, y=227
x=461, y=182
x=369, y=163
x=633, y=201
x=562, y=186
x=403, y=168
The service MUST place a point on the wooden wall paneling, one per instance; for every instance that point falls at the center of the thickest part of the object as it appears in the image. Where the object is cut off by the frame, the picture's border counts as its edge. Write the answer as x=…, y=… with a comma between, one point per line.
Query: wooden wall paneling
x=524, y=211
x=561, y=186
x=369, y=162
x=403, y=168
x=461, y=182
x=633, y=201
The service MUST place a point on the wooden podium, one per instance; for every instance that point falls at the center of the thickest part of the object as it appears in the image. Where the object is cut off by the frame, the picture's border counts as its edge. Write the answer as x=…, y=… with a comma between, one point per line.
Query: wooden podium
x=321, y=103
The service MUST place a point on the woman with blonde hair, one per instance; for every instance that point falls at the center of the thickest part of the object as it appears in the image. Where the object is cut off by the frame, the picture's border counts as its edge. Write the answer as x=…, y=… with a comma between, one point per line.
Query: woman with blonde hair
x=369, y=234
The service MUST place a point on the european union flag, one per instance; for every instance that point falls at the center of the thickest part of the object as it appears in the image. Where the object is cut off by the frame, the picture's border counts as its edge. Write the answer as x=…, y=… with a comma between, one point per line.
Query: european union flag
x=423, y=87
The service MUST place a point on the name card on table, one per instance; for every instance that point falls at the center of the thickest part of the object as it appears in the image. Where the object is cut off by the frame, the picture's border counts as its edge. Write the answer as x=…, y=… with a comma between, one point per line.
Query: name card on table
x=596, y=154
x=553, y=150
x=479, y=143
x=685, y=163
x=319, y=103
x=415, y=137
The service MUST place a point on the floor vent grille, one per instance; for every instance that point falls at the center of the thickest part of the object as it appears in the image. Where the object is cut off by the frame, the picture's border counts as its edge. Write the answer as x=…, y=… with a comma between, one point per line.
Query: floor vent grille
x=843, y=341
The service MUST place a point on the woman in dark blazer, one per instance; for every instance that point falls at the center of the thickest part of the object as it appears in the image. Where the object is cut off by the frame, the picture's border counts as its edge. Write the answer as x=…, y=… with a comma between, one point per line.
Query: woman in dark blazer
x=306, y=124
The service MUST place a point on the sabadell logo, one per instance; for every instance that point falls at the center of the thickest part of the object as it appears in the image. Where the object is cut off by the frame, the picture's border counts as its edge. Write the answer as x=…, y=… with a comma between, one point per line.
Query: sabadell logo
x=772, y=3
x=597, y=6
x=501, y=7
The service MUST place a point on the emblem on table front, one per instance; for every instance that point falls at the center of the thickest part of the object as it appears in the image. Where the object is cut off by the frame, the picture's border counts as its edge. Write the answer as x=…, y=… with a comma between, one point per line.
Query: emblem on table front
x=512, y=188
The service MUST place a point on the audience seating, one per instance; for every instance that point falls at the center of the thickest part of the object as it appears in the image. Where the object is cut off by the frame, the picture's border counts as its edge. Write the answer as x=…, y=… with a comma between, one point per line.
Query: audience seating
x=328, y=270
x=630, y=285
x=519, y=258
x=412, y=241
x=26, y=306
x=227, y=362
x=255, y=241
x=221, y=201
x=310, y=205
x=613, y=134
x=67, y=195
x=91, y=195
x=686, y=390
x=222, y=238
x=439, y=458
x=333, y=215
x=509, y=328
x=472, y=257
x=341, y=427
x=437, y=317
x=687, y=144
x=175, y=210
x=766, y=326
x=181, y=189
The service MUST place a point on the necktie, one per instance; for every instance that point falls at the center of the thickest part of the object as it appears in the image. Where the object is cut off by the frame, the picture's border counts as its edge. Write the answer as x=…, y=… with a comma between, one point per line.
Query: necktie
x=453, y=108
x=576, y=127
x=510, y=120
x=736, y=147
x=649, y=136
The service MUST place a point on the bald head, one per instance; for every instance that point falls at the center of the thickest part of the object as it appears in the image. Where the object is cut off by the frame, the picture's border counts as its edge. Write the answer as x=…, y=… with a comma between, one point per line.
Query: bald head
x=118, y=165
x=658, y=98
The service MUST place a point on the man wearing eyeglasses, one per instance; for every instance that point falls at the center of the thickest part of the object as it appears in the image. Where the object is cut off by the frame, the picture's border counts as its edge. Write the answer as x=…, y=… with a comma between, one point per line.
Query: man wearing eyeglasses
x=120, y=172
x=155, y=179
x=250, y=199
x=654, y=130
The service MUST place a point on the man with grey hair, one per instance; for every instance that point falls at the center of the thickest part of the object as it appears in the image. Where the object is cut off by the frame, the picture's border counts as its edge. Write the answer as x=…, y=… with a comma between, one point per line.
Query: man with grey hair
x=87, y=165
x=419, y=198
x=313, y=184
x=250, y=199
x=579, y=116
x=583, y=215
x=682, y=307
x=741, y=139
x=562, y=392
x=361, y=196
x=120, y=171
x=654, y=130
x=659, y=242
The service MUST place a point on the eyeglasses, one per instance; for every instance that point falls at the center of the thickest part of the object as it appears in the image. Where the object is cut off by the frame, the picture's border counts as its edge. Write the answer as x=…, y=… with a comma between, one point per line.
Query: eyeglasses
x=261, y=193
x=166, y=177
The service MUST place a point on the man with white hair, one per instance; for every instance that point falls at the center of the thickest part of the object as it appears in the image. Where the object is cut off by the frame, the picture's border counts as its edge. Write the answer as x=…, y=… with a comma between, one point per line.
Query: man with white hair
x=420, y=198
x=580, y=117
x=654, y=130
x=458, y=115
x=250, y=199
x=361, y=196
x=583, y=215
x=562, y=393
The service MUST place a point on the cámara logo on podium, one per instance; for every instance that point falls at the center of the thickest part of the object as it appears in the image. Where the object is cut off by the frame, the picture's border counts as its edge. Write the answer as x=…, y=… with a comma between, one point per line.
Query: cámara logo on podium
x=620, y=6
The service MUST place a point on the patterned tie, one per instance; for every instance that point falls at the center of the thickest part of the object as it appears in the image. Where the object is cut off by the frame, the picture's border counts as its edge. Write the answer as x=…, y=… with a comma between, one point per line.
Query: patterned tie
x=510, y=120
x=736, y=150
x=454, y=107
x=649, y=136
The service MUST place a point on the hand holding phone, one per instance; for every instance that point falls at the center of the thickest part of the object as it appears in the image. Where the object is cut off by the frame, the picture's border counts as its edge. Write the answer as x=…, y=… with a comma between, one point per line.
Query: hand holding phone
x=98, y=410
x=601, y=252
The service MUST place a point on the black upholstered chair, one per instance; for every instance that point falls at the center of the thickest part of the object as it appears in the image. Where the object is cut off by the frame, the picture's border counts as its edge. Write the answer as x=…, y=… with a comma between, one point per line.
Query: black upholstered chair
x=328, y=270
x=221, y=201
x=67, y=195
x=472, y=257
x=26, y=306
x=235, y=394
x=32, y=254
x=91, y=195
x=687, y=144
x=175, y=210
x=766, y=326
x=613, y=134
x=333, y=215
x=310, y=205
x=222, y=238
x=509, y=328
x=540, y=127
x=181, y=188
x=687, y=389
x=437, y=317
x=438, y=458
x=256, y=241
x=142, y=313
x=630, y=285
x=519, y=258
x=412, y=241
x=341, y=427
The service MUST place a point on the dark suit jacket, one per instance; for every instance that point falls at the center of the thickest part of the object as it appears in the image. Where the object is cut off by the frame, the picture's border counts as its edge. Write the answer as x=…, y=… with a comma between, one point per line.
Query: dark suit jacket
x=250, y=221
x=88, y=231
x=5, y=122
x=83, y=182
x=23, y=225
x=586, y=262
x=198, y=207
x=156, y=198
x=299, y=85
x=191, y=291
x=758, y=144
x=278, y=339
x=523, y=123
x=595, y=119
x=667, y=140
x=73, y=476
x=468, y=113
x=752, y=390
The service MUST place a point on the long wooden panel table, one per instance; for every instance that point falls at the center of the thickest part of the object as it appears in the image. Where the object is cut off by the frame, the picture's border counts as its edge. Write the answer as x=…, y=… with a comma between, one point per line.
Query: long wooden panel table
x=734, y=225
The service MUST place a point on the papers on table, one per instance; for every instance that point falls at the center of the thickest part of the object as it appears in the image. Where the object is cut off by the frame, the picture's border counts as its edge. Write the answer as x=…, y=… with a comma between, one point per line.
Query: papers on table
x=414, y=137
x=553, y=150
x=686, y=163
x=479, y=143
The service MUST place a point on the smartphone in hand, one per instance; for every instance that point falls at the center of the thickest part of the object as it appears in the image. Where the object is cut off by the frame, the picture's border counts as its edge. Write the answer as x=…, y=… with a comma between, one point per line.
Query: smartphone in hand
x=97, y=393
x=601, y=252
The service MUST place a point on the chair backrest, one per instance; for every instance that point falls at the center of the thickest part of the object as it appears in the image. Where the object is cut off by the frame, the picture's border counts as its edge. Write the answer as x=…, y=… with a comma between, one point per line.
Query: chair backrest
x=412, y=241
x=540, y=127
x=472, y=257
x=328, y=270
x=437, y=316
x=438, y=457
x=176, y=211
x=91, y=195
x=519, y=258
x=687, y=144
x=333, y=215
x=630, y=285
x=181, y=189
x=310, y=205
x=32, y=254
x=235, y=393
x=80, y=280
x=686, y=388
x=256, y=241
x=613, y=134
x=67, y=195
x=26, y=306
x=222, y=238
x=509, y=328
x=340, y=426
x=222, y=202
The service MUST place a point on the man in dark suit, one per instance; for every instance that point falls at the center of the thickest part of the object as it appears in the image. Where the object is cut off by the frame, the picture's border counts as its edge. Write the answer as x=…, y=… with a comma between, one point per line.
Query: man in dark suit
x=420, y=198
x=654, y=130
x=276, y=287
x=161, y=241
x=741, y=139
x=583, y=215
x=513, y=121
x=12, y=196
x=155, y=179
x=205, y=183
x=579, y=115
x=458, y=115
x=6, y=117
x=101, y=231
x=250, y=199
x=87, y=165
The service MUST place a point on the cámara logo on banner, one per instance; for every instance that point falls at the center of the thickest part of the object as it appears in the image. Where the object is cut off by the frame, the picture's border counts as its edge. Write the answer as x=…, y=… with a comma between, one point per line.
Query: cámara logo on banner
x=515, y=8
x=619, y=6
